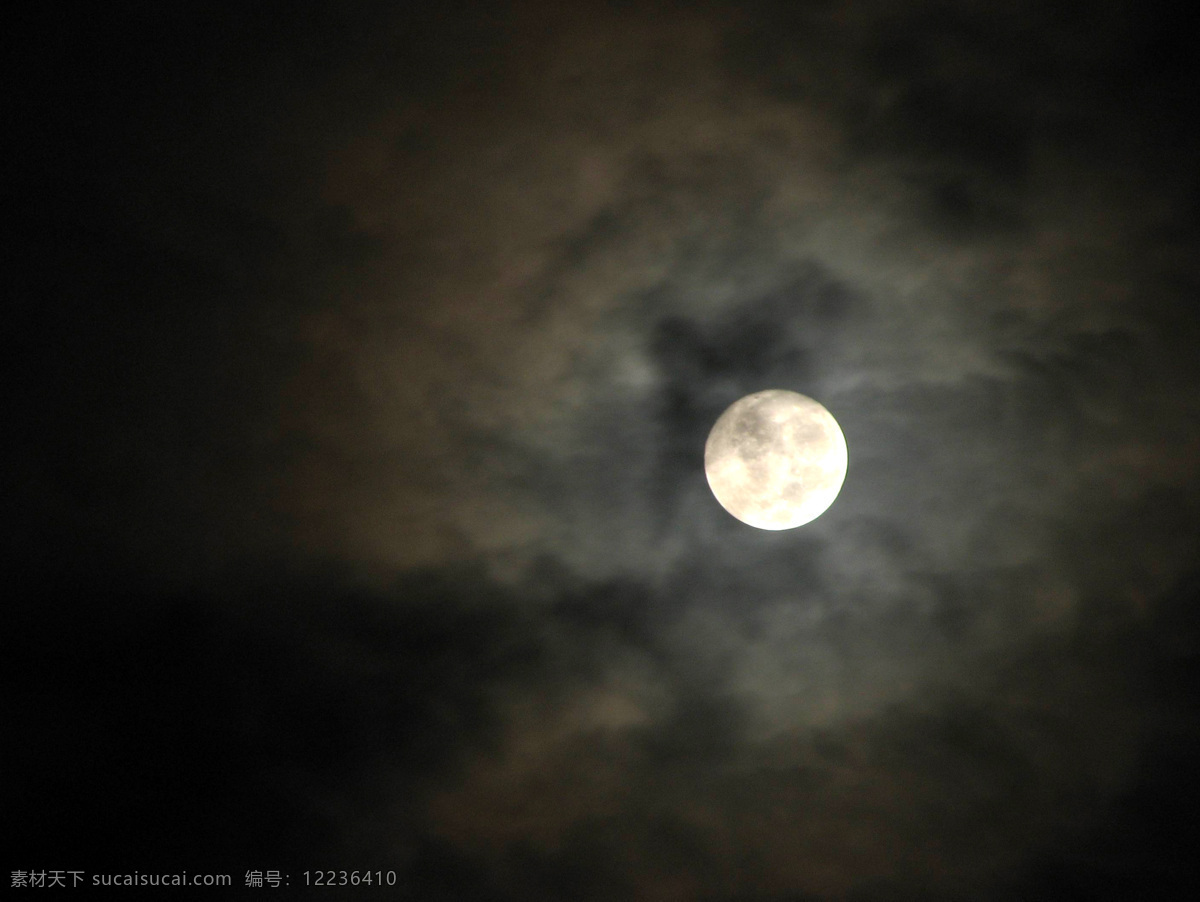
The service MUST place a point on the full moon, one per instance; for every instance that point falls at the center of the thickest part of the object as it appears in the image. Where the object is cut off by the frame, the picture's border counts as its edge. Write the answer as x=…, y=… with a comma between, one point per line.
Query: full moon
x=775, y=459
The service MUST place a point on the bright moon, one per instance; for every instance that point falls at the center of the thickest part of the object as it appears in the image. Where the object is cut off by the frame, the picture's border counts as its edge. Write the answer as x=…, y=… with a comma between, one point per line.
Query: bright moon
x=775, y=459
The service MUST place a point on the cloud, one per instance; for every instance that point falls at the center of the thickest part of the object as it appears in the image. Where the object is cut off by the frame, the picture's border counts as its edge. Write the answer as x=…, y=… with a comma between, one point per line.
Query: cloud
x=390, y=384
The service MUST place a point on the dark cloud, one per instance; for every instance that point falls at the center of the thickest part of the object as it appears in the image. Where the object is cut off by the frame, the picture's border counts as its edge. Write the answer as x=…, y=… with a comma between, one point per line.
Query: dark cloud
x=363, y=361
x=262, y=720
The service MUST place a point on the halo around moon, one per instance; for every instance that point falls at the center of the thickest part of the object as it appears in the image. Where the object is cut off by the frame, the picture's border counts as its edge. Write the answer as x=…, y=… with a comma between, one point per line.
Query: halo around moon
x=776, y=459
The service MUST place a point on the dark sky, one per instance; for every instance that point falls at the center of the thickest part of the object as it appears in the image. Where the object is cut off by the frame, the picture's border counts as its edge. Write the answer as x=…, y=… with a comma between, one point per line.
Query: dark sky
x=360, y=364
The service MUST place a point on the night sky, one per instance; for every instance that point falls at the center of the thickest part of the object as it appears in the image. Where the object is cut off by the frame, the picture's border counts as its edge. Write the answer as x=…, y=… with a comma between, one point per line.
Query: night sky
x=361, y=357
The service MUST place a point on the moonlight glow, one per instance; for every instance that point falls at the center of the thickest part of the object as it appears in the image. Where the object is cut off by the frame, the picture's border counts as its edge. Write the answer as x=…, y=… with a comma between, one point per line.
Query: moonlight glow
x=775, y=459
